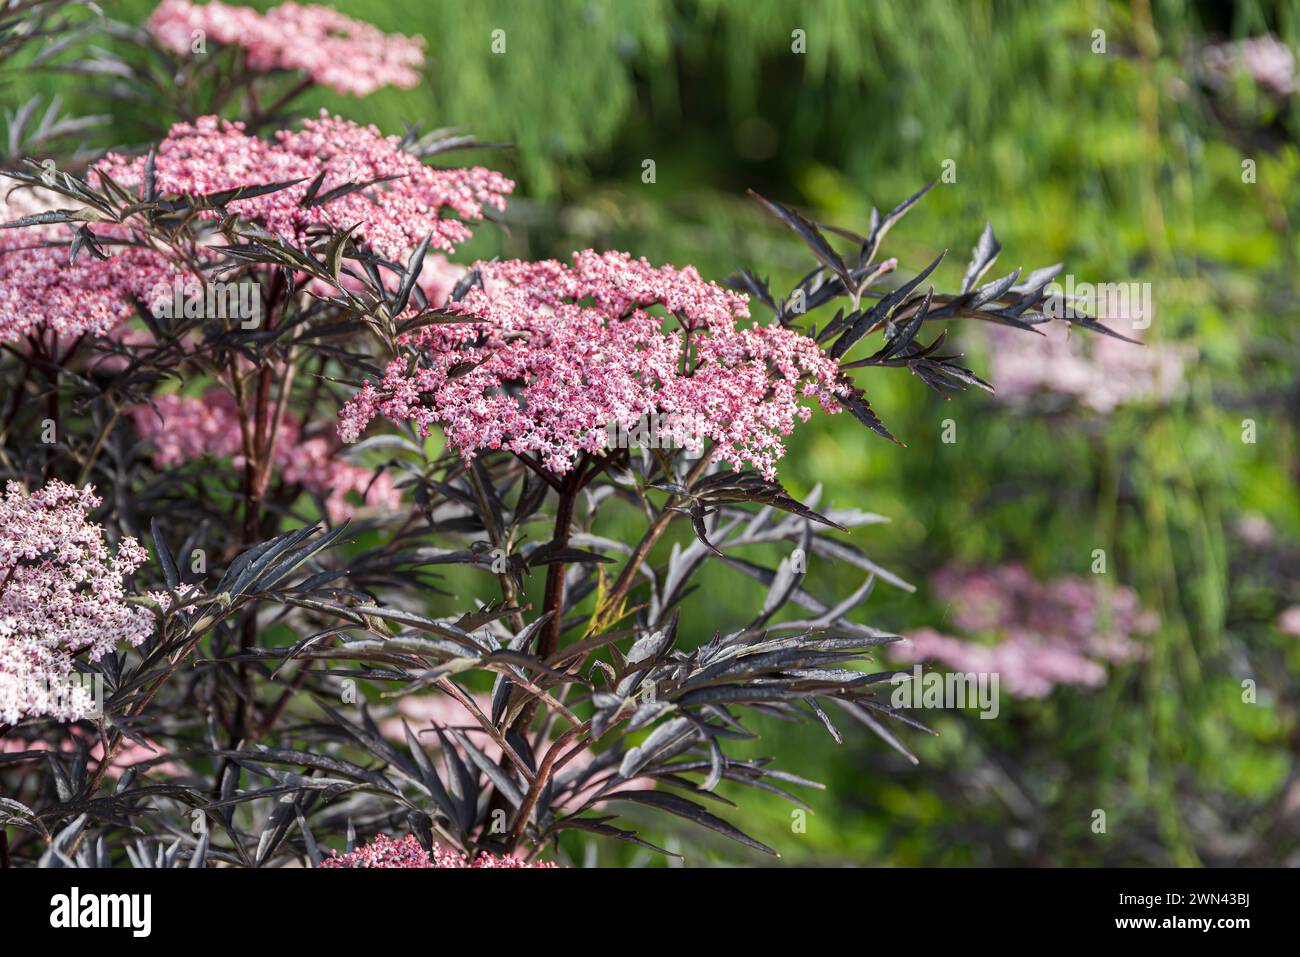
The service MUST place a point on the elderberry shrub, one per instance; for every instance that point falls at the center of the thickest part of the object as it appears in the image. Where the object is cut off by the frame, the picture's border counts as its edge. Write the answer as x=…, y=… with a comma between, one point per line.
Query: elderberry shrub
x=253, y=350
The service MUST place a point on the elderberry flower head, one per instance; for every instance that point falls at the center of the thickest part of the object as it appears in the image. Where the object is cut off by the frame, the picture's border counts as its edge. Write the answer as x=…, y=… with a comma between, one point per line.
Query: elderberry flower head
x=61, y=594
x=402, y=202
x=42, y=291
x=383, y=851
x=562, y=353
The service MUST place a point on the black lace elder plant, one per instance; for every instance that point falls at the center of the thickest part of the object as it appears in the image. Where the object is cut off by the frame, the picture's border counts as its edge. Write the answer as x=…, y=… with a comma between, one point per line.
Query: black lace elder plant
x=596, y=701
x=298, y=610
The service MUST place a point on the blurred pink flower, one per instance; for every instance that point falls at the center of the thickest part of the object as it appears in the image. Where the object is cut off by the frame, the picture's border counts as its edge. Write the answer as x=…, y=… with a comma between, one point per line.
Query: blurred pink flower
x=1097, y=371
x=1289, y=621
x=1061, y=632
x=346, y=55
x=421, y=711
x=136, y=341
x=1255, y=530
x=1265, y=59
x=128, y=754
x=184, y=428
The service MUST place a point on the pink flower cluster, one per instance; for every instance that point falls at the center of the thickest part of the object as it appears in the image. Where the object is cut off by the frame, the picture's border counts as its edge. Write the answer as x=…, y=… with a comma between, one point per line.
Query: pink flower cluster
x=422, y=711
x=41, y=290
x=1289, y=621
x=129, y=753
x=346, y=55
x=212, y=155
x=1061, y=632
x=562, y=353
x=184, y=428
x=383, y=851
x=61, y=594
x=1265, y=59
x=1101, y=373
